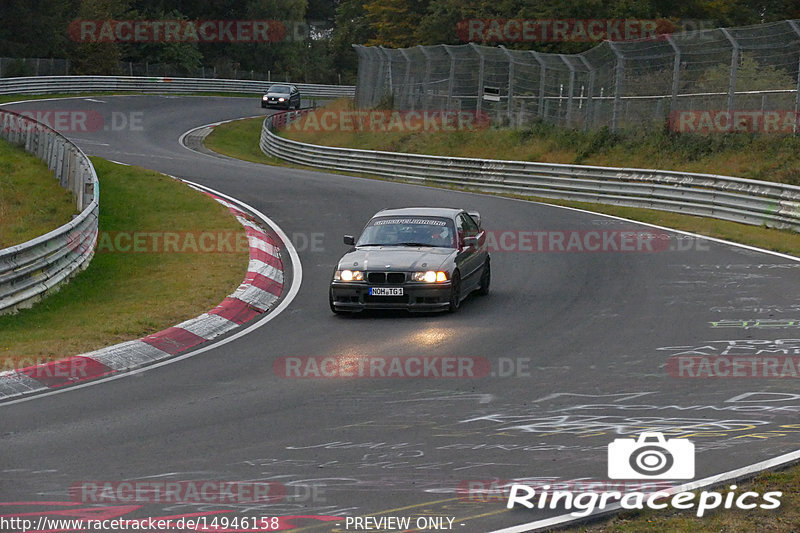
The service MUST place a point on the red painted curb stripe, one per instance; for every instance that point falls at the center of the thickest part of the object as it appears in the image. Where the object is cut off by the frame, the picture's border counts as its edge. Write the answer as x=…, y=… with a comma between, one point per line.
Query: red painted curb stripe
x=173, y=340
x=259, y=235
x=236, y=310
x=66, y=371
x=242, y=214
x=263, y=282
x=266, y=257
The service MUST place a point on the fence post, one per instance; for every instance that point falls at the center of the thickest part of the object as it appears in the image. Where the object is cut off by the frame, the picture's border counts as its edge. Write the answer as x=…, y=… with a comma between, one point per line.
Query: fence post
x=426, y=80
x=540, y=111
x=676, y=69
x=452, y=76
x=571, y=87
x=406, y=87
x=588, y=120
x=479, y=104
x=734, y=71
x=796, y=29
x=510, y=99
x=389, y=63
x=620, y=76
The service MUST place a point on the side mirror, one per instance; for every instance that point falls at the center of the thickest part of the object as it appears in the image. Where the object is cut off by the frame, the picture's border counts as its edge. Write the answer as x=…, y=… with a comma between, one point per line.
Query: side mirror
x=476, y=216
x=349, y=240
x=471, y=242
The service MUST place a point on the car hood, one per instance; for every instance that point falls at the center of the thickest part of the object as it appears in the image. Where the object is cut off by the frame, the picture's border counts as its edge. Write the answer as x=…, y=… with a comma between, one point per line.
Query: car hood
x=285, y=95
x=399, y=258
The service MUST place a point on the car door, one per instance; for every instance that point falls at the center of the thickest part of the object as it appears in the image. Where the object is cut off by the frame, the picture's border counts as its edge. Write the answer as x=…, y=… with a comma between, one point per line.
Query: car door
x=469, y=259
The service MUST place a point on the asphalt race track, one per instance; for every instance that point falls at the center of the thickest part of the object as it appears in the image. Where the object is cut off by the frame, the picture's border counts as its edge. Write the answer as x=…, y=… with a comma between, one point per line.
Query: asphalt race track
x=578, y=343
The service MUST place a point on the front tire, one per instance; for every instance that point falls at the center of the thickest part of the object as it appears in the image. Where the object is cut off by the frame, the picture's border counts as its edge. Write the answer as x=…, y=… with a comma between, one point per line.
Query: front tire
x=486, y=279
x=455, y=293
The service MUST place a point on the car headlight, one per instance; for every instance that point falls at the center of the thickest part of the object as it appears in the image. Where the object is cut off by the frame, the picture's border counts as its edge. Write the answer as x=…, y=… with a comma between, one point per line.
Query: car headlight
x=430, y=276
x=348, y=275
x=281, y=99
x=265, y=97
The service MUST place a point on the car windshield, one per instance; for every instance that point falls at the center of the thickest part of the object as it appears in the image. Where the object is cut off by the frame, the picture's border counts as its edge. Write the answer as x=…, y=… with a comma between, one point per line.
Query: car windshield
x=280, y=89
x=408, y=231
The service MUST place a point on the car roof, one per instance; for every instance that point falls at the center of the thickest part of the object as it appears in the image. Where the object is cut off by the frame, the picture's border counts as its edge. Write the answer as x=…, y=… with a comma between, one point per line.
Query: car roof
x=448, y=212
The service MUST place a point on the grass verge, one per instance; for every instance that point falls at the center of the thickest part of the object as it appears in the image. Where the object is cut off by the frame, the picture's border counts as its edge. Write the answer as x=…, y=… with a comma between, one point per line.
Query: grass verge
x=126, y=295
x=240, y=139
x=31, y=200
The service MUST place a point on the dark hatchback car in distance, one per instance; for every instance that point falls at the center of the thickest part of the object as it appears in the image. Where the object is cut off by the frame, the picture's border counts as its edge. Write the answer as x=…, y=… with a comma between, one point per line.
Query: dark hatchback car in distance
x=419, y=259
x=285, y=96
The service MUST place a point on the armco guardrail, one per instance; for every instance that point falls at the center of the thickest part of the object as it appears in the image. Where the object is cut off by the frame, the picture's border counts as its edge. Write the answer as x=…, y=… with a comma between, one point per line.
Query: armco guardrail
x=729, y=198
x=30, y=269
x=72, y=84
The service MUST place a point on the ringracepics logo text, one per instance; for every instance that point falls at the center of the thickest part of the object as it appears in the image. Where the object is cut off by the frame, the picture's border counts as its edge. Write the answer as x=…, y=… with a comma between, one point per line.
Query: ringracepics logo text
x=650, y=457
x=585, y=503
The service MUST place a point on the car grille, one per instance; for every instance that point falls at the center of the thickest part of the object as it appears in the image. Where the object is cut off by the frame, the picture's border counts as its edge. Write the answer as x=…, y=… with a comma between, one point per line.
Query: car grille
x=386, y=277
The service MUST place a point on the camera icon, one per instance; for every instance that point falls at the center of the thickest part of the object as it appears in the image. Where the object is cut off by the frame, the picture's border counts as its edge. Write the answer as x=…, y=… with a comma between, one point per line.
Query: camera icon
x=651, y=457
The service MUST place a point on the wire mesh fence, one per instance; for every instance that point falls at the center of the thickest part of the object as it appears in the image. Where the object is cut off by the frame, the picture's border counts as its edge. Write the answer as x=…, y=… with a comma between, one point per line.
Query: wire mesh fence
x=735, y=79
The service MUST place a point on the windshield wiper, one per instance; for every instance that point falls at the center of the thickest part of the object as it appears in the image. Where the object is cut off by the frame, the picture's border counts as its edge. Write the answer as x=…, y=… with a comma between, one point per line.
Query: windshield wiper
x=414, y=244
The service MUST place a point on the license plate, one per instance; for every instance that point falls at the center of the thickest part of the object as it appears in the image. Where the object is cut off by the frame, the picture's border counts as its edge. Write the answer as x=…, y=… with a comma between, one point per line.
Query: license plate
x=386, y=291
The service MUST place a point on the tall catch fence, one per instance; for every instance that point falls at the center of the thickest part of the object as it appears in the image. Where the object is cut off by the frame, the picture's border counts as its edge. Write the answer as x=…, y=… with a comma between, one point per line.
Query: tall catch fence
x=619, y=84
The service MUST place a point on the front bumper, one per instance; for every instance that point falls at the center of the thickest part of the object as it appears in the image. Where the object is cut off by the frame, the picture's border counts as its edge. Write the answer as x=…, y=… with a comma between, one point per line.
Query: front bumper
x=354, y=296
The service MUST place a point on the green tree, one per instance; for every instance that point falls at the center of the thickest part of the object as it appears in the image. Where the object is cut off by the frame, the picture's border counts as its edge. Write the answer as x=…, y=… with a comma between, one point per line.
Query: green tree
x=97, y=57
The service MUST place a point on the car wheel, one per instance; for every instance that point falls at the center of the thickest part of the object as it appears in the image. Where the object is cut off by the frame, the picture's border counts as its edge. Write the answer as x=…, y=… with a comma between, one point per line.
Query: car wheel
x=455, y=292
x=486, y=279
